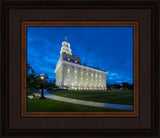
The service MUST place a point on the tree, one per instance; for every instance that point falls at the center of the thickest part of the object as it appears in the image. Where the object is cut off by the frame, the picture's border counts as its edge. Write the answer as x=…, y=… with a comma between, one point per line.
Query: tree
x=126, y=85
x=54, y=81
x=34, y=82
x=109, y=86
x=116, y=86
x=29, y=68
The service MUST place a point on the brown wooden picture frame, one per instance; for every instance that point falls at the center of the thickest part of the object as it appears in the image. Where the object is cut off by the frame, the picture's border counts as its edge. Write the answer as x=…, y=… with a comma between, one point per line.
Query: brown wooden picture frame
x=145, y=119
x=134, y=24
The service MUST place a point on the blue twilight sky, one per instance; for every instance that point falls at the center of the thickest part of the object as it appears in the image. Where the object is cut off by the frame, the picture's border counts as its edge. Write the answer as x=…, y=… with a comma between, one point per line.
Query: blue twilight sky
x=109, y=48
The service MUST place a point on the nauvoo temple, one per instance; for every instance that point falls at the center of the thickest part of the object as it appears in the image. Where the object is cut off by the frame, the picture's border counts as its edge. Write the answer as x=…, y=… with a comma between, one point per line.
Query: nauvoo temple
x=76, y=76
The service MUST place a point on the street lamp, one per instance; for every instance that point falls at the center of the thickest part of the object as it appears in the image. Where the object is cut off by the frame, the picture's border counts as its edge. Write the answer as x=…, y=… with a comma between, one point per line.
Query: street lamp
x=42, y=86
x=42, y=77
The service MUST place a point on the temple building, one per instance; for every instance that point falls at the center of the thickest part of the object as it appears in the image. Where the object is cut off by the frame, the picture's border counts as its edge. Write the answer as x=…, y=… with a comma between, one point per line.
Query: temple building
x=72, y=74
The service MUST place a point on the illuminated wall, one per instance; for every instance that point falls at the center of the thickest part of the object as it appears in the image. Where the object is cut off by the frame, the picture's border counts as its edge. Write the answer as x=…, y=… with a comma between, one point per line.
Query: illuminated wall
x=71, y=73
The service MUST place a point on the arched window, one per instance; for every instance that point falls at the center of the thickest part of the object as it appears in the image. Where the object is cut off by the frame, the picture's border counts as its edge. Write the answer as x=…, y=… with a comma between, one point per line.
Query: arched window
x=68, y=71
x=87, y=74
x=75, y=72
x=75, y=83
x=87, y=84
x=68, y=83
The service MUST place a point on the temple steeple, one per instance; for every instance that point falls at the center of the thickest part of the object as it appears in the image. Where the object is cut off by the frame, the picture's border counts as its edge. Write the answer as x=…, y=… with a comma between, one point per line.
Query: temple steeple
x=65, y=47
x=65, y=38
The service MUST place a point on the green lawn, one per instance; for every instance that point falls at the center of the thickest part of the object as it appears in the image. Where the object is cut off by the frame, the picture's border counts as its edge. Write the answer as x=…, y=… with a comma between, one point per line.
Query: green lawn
x=118, y=97
x=53, y=105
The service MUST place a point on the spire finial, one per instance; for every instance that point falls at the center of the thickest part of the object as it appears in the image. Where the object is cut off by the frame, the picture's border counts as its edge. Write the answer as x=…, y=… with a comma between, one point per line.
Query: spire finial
x=65, y=38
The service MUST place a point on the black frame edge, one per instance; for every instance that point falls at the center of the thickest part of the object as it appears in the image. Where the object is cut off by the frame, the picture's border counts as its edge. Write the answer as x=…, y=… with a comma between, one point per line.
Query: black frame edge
x=4, y=76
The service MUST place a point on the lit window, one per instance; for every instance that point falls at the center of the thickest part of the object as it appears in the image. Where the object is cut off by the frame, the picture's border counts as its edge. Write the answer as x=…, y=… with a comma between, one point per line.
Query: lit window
x=75, y=61
x=87, y=88
x=87, y=79
x=99, y=85
x=81, y=73
x=81, y=83
x=87, y=74
x=75, y=88
x=96, y=76
x=81, y=78
x=91, y=75
x=96, y=85
x=100, y=76
x=75, y=77
x=96, y=80
x=91, y=84
x=68, y=77
x=68, y=71
x=91, y=79
x=87, y=84
x=99, y=80
x=75, y=83
x=68, y=59
x=75, y=72
x=68, y=83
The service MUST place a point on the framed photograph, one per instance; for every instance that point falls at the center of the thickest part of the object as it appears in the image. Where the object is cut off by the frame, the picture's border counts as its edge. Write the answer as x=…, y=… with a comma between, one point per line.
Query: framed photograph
x=79, y=68
x=75, y=88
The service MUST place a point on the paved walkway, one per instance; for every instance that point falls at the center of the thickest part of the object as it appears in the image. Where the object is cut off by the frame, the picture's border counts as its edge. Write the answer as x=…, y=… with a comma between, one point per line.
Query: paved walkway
x=89, y=103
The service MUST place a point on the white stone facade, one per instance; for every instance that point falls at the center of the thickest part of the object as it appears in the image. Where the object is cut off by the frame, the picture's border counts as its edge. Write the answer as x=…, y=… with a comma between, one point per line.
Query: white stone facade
x=71, y=73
